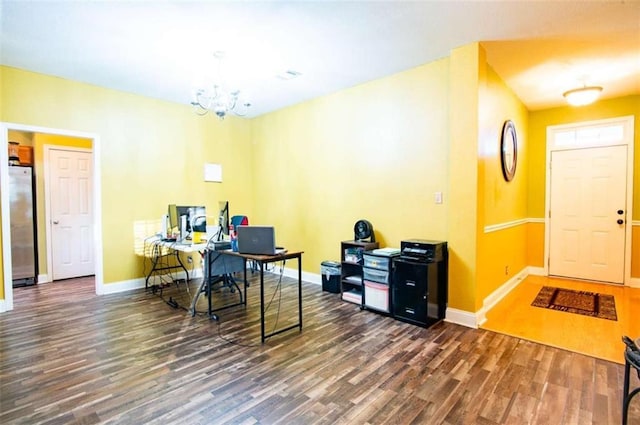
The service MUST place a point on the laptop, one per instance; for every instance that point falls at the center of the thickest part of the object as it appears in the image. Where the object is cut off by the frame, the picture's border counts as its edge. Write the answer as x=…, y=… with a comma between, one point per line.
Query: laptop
x=260, y=240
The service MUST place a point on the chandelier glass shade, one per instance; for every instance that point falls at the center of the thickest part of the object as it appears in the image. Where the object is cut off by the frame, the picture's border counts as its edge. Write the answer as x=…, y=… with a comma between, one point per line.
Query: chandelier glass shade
x=217, y=99
x=582, y=96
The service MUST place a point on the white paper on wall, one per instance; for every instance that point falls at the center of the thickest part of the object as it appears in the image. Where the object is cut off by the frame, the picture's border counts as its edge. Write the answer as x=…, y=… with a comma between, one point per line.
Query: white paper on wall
x=213, y=173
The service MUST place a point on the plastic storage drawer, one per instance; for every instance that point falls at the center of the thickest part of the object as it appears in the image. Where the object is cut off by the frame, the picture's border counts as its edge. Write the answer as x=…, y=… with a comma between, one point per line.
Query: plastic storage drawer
x=375, y=262
x=376, y=296
x=375, y=275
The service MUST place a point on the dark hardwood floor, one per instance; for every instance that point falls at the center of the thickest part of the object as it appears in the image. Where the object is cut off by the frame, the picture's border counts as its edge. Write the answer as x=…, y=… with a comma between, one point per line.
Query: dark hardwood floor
x=71, y=357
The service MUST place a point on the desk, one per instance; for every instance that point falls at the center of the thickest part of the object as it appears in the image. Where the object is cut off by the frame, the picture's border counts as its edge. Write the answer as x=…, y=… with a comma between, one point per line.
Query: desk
x=261, y=260
x=160, y=249
x=225, y=262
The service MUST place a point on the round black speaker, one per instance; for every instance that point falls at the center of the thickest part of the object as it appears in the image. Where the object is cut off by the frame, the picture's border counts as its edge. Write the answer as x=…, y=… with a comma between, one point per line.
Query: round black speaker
x=363, y=230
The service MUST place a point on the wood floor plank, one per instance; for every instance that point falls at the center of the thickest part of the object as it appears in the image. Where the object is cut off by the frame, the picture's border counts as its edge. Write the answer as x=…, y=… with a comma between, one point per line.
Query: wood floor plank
x=68, y=356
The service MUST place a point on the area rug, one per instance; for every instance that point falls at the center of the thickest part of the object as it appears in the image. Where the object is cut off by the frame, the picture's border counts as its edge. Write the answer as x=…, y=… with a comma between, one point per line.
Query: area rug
x=579, y=302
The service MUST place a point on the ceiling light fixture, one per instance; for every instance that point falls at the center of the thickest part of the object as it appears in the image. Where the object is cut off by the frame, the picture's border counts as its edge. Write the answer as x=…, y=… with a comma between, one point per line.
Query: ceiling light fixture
x=582, y=96
x=216, y=99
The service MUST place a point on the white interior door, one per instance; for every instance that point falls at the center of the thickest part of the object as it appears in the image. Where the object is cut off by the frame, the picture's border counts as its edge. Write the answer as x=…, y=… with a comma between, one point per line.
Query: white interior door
x=71, y=203
x=587, y=213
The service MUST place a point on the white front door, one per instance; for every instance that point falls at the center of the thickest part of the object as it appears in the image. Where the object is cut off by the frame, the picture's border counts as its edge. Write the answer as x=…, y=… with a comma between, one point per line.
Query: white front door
x=587, y=213
x=71, y=201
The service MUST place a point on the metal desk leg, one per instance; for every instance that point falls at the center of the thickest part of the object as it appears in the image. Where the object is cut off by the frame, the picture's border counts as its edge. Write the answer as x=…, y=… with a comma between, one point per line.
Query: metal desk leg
x=244, y=267
x=154, y=263
x=208, y=277
x=182, y=265
x=262, y=312
x=300, y=292
x=261, y=300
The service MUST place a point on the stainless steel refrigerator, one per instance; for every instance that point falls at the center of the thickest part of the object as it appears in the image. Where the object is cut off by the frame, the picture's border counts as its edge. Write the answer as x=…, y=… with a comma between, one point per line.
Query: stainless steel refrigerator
x=24, y=260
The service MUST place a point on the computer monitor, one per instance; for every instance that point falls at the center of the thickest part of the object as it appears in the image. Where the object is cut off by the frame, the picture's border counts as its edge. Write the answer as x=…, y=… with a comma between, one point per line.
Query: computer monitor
x=223, y=219
x=198, y=219
x=195, y=219
x=174, y=221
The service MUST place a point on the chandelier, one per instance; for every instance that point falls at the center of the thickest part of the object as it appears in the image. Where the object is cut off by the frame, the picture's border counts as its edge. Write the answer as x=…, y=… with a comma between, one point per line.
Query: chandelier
x=218, y=100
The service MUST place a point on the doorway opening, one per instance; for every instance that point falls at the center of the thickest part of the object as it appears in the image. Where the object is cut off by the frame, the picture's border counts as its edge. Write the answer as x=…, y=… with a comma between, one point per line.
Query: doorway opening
x=96, y=206
x=589, y=199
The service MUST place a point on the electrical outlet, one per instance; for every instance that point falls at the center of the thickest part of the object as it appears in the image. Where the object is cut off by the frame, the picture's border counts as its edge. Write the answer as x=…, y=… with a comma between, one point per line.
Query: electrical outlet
x=506, y=270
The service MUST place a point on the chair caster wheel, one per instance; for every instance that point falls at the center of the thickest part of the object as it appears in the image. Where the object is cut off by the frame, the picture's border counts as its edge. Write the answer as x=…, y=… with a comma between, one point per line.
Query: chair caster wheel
x=214, y=317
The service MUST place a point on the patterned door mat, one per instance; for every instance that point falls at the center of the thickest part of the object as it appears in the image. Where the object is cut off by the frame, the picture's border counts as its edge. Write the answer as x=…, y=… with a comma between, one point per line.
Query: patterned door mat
x=579, y=302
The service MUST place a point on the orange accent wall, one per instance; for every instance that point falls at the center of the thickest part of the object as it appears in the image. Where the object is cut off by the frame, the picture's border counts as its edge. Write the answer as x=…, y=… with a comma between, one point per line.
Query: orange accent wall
x=635, y=248
x=535, y=244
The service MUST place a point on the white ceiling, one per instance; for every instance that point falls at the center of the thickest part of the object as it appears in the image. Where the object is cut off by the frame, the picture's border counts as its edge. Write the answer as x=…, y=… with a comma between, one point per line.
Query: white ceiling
x=160, y=48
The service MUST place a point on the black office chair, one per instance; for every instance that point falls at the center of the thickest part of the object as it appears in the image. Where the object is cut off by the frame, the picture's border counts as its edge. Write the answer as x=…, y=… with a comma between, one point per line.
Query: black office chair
x=631, y=359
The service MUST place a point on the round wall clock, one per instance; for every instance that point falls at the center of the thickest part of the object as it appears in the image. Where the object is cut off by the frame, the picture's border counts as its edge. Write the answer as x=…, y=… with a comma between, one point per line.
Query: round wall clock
x=509, y=150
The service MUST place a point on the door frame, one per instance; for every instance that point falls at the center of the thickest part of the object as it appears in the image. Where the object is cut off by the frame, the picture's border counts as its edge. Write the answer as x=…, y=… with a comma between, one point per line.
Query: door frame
x=628, y=141
x=7, y=303
x=46, y=149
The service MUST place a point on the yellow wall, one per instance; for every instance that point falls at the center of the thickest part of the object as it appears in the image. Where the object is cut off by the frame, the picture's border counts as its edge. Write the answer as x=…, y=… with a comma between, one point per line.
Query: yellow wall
x=315, y=168
x=324, y=164
x=152, y=154
x=502, y=252
x=538, y=123
x=464, y=81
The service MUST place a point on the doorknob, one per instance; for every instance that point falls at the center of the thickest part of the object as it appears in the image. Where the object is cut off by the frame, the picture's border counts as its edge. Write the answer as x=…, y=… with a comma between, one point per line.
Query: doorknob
x=620, y=212
x=620, y=221
x=55, y=221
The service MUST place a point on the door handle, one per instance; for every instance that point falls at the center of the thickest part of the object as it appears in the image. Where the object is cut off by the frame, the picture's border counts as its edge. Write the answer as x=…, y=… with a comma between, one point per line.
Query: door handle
x=620, y=212
x=55, y=222
x=620, y=221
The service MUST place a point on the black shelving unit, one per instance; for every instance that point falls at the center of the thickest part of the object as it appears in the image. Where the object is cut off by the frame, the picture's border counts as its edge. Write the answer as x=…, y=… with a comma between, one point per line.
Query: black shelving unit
x=351, y=254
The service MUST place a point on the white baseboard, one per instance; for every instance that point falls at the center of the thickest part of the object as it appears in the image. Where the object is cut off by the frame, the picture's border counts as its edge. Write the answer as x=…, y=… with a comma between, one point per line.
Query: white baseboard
x=43, y=278
x=306, y=276
x=496, y=296
x=634, y=282
x=461, y=317
x=3, y=306
x=122, y=286
x=536, y=271
x=129, y=285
